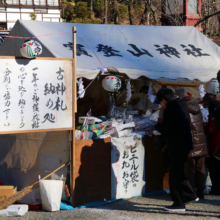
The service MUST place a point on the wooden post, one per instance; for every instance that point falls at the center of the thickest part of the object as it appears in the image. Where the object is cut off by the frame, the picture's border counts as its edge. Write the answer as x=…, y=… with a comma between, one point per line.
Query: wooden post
x=74, y=110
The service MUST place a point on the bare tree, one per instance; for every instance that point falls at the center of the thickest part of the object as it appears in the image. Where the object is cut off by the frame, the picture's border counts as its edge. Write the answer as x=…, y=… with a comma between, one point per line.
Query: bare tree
x=151, y=7
x=172, y=12
x=146, y=15
x=155, y=12
x=91, y=9
x=106, y=17
x=206, y=18
x=115, y=9
x=131, y=12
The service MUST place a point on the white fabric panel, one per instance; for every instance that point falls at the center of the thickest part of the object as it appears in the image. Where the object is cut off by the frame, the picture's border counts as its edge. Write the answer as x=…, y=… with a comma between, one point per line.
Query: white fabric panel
x=192, y=7
x=128, y=170
x=10, y=25
x=51, y=15
x=46, y=19
x=40, y=2
x=26, y=10
x=26, y=2
x=151, y=51
x=2, y=16
x=55, y=20
x=39, y=17
x=53, y=2
x=53, y=11
x=13, y=16
x=13, y=9
x=25, y=156
x=25, y=16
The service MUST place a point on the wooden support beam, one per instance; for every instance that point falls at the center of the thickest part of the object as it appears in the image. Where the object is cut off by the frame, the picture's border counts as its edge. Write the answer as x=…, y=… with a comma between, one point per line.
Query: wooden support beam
x=73, y=150
x=164, y=84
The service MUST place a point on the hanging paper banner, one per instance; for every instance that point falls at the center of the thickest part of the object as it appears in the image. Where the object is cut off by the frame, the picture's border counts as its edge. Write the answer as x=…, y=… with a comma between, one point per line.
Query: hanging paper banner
x=127, y=159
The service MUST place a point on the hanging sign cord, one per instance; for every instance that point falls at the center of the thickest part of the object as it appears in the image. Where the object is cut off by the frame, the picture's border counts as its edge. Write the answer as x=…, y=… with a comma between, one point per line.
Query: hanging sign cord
x=92, y=49
x=63, y=33
x=89, y=85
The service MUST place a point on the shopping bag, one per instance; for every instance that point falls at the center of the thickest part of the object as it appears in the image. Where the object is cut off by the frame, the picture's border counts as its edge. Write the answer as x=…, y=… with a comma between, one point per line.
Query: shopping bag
x=51, y=192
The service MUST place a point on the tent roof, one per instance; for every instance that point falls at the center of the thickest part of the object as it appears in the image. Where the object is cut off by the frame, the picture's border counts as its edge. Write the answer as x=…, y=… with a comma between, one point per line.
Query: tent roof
x=151, y=51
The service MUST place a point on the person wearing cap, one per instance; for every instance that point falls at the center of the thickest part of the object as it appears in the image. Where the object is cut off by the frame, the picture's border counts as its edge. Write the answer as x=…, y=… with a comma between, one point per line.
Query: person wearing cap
x=195, y=165
x=176, y=129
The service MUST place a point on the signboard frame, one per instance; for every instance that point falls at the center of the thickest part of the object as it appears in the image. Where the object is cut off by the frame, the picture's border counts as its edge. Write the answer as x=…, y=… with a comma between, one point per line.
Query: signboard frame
x=73, y=76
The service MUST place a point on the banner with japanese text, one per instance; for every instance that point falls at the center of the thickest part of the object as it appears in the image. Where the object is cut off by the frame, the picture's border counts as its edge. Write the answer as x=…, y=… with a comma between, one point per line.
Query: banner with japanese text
x=136, y=50
x=35, y=94
x=128, y=173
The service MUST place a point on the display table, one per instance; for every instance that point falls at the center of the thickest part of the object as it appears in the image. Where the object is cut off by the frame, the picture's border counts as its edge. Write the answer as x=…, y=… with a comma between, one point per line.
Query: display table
x=93, y=170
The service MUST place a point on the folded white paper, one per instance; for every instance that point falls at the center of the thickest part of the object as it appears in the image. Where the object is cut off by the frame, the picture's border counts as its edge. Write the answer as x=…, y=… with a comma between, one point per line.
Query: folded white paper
x=123, y=126
x=14, y=210
x=124, y=133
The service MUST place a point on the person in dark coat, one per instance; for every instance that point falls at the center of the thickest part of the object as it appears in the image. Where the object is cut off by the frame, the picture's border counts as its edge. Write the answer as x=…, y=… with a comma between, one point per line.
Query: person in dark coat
x=176, y=129
x=212, y=129
x=195, y=164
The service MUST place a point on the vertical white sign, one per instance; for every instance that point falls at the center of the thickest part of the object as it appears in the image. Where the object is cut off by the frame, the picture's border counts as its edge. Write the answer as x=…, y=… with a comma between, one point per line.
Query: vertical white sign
x=128, y=173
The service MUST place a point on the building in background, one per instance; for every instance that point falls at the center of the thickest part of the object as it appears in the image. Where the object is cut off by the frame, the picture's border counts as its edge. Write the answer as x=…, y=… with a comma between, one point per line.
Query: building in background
x=181, y=12
x=12, y=10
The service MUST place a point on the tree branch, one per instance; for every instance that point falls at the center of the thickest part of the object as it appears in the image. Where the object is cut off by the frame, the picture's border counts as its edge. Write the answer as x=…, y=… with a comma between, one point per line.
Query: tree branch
x=205, y=18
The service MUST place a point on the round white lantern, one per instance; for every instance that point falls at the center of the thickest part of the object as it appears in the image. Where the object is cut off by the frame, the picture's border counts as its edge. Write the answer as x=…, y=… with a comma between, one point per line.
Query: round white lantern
x=30, y=49
x=111, y=83
x=212, y=86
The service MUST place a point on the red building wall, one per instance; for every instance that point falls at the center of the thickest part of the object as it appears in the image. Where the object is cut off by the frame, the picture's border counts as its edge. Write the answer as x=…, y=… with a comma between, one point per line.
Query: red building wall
x=191, y=19
x=188, y=11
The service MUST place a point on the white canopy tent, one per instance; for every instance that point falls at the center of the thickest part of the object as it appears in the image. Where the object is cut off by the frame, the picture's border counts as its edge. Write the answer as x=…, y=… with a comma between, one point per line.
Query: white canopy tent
x=151, y=51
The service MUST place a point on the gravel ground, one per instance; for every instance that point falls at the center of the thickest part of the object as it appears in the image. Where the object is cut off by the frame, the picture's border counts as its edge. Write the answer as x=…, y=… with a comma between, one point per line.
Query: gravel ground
x=136, y=208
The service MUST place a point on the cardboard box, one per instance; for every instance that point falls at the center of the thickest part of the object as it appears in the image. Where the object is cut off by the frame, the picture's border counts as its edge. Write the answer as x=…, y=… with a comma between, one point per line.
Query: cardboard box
x=6, y=191
x=32, y=199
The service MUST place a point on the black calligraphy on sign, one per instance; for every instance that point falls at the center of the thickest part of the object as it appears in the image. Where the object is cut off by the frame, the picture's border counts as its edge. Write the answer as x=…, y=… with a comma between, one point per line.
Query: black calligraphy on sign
x=125, y=166
x=35, y=101
x=108, y=51
x=56, y=105
x=117, y=174
x=138, y=52
x=134, y=173
x=57, y=89
x=125, y=154
x=194, y=51
x=51, y=89
x=60, y=76
x=22, y=90
x=168, y=51
x=7, y=95
x=49, y=117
